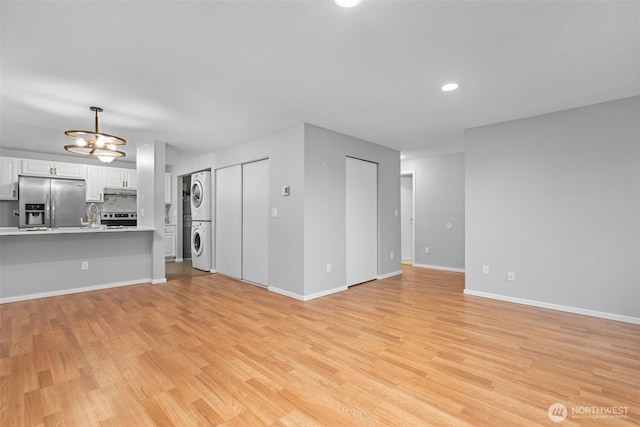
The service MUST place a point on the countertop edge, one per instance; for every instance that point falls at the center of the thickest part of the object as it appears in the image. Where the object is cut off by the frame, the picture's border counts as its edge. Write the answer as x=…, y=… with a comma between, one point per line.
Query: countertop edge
x=71, y=230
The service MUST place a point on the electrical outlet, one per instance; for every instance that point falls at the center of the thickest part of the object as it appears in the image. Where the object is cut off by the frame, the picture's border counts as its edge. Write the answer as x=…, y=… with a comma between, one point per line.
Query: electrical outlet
x=511, y=276
x=485, y=269
x=85, y=265
x=328, y=268
x=426, y=249
x=391, y=255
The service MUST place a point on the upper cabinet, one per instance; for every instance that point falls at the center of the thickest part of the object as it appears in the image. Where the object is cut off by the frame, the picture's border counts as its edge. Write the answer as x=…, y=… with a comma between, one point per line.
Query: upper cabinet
x=95, y=183
x=8, y=178
x=46, y=168
x=167, y=188
x=120, y=178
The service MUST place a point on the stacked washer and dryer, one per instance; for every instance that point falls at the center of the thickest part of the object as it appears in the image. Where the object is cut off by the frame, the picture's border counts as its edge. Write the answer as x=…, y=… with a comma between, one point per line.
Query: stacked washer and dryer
x=201, y=220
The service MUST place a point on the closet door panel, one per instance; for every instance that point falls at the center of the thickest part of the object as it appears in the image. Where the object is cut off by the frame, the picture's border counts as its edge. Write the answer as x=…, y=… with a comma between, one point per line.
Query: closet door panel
x=255, y=222
x=228, y=221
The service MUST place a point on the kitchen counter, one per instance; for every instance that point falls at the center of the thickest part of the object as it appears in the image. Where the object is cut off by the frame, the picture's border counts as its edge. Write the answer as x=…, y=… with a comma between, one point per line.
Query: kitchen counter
x=73, y=259
x=15, y=231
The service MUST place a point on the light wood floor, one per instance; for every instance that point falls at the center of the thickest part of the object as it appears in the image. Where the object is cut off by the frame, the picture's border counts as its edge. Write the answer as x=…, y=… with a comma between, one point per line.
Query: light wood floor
x=175, y=270
x=411, y=350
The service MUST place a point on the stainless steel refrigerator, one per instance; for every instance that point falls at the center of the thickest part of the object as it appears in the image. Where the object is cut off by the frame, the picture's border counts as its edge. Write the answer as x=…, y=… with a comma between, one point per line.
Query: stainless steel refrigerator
x=51, y=202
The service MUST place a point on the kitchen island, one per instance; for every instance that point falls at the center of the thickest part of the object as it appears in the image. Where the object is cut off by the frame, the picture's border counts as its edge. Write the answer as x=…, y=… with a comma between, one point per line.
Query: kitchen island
x=49, y=262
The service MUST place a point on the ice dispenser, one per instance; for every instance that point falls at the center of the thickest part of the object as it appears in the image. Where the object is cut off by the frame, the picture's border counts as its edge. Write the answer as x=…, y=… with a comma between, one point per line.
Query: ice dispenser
x=34, y=214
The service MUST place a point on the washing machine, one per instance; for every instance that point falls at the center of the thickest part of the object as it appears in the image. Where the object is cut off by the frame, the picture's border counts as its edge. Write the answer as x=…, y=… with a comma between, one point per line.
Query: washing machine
x=201, y=245
x=201, y=196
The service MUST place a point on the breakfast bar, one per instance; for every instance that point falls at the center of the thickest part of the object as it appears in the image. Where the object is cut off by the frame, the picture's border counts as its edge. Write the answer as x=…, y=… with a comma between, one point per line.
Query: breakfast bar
x=36, y=263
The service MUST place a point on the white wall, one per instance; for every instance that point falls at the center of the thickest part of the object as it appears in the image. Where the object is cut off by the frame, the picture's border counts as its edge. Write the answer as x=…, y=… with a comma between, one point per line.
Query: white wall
x=556, y=199
x=439, y=199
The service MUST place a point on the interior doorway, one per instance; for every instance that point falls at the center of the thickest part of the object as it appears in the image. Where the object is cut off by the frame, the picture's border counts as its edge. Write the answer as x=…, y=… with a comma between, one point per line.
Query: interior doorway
x=407, y=222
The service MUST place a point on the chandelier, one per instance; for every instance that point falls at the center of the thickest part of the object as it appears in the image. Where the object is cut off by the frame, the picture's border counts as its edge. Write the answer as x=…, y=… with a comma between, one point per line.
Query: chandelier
x=95, y=143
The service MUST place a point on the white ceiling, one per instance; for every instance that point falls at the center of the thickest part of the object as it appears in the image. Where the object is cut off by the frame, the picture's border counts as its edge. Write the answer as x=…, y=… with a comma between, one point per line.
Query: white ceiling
x=203, y=75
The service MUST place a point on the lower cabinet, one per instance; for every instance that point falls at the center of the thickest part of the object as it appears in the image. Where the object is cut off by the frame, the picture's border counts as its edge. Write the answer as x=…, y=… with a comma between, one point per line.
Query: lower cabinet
x=170, y=240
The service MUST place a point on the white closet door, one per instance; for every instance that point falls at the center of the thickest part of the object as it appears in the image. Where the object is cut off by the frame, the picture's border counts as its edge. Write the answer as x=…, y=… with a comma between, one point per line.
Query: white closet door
x=362, y=221
x=228, y=221
x=255, y=222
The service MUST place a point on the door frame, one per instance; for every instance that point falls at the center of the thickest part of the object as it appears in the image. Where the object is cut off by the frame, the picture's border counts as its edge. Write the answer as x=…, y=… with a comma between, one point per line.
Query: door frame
x=412, y=174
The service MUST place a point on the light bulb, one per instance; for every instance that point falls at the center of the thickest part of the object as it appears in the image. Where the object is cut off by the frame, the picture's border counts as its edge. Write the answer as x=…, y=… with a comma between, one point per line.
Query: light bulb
x=449, y=87
x=347, y=3
x=81, y=142
x=100, y=141
x=106, y=159
x=111, y=147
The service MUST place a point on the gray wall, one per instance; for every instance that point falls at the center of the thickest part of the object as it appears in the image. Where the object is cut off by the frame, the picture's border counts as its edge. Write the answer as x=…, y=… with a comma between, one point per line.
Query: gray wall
x=151, y=159
x=36, y=265
x=325, y=206
x=309, y=231
x=439, y=199
x=285, y=151
x=556, y=199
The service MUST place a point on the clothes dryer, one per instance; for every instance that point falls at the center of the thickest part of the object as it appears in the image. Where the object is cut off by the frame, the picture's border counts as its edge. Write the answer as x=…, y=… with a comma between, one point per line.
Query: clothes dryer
x=201, y=245
x=201, y=196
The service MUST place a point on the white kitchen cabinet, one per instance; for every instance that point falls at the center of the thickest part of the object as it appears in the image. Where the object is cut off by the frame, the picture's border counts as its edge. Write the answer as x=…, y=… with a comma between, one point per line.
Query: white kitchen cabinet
x=95, y=183
x=170, y=240
x=167, y=188
x=8, y=178
x=47, y=168
x=120, y=178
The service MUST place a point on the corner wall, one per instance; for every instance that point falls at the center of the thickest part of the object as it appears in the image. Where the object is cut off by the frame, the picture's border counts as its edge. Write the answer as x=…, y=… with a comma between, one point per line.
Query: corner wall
x=556, y=199
x=325, y=207
x=284, y=149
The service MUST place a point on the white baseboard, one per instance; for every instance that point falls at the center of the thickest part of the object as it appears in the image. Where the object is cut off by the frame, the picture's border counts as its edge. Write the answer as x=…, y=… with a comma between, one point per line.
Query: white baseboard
x=306, y=297
x=438, y=267
x=558, y=307
x=387, y=275
x=158, y=281
x=179, y=259
x=213, y=270
x=73, y=291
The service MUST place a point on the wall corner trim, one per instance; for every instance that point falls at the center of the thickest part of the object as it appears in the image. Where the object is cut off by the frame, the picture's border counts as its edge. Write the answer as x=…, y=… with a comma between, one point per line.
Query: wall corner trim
x=306, y=297
x=557, y=307
x=158, y=281
x=439, y=267
x=387, y=275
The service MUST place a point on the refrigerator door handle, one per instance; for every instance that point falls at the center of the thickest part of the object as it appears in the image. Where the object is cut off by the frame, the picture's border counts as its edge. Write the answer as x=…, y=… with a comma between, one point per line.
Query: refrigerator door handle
x=53, y=212
x=47, y=207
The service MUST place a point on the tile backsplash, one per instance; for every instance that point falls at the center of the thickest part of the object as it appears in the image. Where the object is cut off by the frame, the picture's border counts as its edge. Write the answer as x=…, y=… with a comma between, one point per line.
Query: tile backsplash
x=117, y=203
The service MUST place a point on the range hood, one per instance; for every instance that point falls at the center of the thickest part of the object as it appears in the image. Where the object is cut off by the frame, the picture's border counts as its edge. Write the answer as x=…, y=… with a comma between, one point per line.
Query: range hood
x=120, y=192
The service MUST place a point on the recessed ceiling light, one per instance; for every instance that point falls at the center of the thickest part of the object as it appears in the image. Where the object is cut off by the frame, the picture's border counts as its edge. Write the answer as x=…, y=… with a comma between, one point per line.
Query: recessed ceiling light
x=347, y=3
x=449, y=87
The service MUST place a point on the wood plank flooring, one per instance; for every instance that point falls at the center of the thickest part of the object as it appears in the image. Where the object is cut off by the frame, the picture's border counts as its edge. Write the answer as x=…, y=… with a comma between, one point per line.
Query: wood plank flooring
x=410, y=350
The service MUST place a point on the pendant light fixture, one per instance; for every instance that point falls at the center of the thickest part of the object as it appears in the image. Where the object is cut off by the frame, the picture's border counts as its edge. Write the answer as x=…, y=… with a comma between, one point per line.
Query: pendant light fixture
x=95, y=143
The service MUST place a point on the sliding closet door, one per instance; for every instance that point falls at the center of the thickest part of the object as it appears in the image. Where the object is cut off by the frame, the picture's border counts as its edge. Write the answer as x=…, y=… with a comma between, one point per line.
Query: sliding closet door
x=228, y=219
x=255, y=222
x=362, y=221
